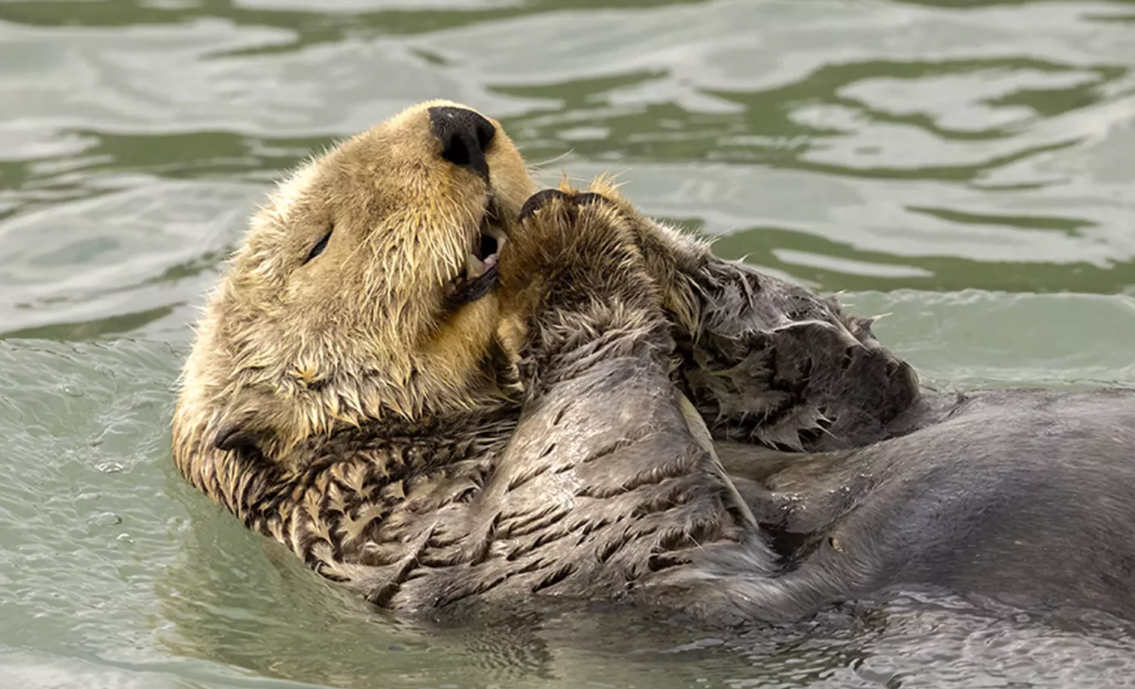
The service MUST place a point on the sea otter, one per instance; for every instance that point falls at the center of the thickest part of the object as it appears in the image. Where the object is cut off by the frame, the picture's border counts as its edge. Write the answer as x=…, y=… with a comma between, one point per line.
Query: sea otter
x=434, y=383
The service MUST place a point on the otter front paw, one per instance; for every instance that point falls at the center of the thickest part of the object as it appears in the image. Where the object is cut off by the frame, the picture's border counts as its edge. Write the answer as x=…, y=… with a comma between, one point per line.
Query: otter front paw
x=544, y=197
x=573, y=246
x=579, y=281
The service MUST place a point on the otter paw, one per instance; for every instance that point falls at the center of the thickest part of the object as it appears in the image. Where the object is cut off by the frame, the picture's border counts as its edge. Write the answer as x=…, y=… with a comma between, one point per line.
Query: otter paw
x=537, y=201
x=542, y=198
x=572, y=248
x=581, y=230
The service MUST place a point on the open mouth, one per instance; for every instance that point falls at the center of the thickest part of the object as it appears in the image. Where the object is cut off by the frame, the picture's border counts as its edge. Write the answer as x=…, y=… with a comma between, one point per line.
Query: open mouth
x=479, y=274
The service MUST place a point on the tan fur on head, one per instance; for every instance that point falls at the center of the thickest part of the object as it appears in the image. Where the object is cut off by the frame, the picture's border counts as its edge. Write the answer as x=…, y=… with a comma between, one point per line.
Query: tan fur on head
x=287, y=349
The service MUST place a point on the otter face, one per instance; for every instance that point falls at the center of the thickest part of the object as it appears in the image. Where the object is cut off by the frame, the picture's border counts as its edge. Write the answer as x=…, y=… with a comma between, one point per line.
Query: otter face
x=364, y=288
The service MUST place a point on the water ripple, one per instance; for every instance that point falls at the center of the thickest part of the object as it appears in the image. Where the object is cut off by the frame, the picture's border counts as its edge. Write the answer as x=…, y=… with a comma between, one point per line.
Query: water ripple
x=963, y=165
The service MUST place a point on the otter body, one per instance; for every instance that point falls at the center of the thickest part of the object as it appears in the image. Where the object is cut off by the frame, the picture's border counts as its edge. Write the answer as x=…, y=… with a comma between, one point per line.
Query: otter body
x=1023, y=496
x=435, y=384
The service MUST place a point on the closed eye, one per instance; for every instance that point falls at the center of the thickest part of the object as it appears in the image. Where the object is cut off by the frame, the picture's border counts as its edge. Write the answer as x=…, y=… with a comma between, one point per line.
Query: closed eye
x=319, y=247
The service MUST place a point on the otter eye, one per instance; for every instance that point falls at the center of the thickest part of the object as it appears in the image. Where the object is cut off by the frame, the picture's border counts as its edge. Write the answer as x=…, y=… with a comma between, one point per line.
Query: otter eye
x=319, y=247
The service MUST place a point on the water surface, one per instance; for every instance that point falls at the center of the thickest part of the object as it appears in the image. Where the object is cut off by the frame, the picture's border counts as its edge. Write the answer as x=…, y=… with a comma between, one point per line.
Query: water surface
x=962, y=165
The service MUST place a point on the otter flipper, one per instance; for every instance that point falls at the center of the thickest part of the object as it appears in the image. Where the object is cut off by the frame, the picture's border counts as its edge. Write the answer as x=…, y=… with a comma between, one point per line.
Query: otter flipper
x=775, y=364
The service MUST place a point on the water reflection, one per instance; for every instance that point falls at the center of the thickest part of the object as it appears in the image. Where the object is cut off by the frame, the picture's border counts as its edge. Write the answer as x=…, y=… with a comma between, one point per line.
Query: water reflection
x=875, y=118
x=309, y=20
x=841, y=266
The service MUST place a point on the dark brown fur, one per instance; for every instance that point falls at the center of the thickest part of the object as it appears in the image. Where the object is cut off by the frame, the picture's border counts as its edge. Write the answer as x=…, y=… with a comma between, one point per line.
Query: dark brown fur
x=766, y=361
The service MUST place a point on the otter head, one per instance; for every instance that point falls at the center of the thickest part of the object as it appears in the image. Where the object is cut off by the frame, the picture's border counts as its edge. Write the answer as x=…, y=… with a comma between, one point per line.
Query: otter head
x=364, y=289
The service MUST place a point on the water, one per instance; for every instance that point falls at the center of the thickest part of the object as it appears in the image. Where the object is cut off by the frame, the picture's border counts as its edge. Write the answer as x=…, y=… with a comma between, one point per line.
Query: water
x=963, y=165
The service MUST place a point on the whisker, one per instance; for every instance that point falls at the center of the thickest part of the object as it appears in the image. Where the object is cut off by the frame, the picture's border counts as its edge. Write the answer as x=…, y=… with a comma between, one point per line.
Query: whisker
x=536, y=167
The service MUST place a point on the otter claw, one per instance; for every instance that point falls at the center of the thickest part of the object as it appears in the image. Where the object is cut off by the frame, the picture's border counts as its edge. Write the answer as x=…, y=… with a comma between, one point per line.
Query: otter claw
x=587, y=198
x=537, y=201
x=541, y=198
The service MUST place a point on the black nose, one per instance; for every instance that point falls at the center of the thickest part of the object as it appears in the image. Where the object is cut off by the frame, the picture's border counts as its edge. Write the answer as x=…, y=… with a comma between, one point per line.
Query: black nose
x=464, y=137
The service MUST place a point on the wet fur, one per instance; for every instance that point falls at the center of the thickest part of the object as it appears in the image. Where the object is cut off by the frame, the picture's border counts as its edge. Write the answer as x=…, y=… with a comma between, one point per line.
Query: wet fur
x=1026, y=496
x=343, y=409
x=768, y=362
x=539, y=441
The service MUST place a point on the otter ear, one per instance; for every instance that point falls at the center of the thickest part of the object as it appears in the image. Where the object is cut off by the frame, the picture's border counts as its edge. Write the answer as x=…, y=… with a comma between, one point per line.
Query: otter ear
x=246, y=422
x=234, y=436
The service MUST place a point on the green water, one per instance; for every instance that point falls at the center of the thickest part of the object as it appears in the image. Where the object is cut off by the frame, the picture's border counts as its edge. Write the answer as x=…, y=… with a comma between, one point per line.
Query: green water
x=966, y=166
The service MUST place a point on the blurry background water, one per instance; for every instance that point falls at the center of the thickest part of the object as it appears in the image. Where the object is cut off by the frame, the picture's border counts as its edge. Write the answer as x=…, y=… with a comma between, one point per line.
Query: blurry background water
x=963, y=164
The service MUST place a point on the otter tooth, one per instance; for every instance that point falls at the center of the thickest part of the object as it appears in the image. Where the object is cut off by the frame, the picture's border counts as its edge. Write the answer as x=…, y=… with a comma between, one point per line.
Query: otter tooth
x=474, y=267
